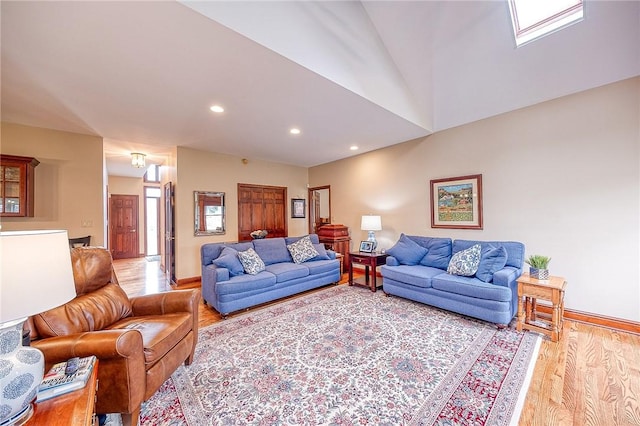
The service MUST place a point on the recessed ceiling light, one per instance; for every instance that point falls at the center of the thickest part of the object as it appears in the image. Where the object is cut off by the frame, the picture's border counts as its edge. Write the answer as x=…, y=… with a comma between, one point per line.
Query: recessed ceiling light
x=217, y=108
x=353, y=147
x=294, y=131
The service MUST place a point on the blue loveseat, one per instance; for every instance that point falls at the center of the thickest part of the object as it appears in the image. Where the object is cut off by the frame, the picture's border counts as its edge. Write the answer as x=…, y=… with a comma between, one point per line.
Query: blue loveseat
x=227, y=287
x=417, y=266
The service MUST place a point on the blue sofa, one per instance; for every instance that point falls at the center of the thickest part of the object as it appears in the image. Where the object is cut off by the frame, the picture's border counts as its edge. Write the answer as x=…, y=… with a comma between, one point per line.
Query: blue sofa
x=417, y=266
x=227, y=288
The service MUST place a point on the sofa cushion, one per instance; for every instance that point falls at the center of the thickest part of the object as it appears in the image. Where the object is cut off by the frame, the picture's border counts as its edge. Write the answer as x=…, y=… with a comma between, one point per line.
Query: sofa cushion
x=272, y=250
x=471, y=287
x=251, y=262
x=302, y=250
x=94, y=311
x=492, y=259
x=229, y=259
x=246, y=283
x=287, y=271
x=465, y=262
x=407, y=251
x=322, y=252
x=313, y=237
x=417, y=275
x=160, y=333
x=439, y=251
x=322, y=266
x=515, y=250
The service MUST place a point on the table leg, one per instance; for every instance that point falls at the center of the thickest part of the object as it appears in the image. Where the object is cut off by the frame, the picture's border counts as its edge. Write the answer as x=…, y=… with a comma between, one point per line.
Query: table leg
x=350, y=273
x=520, y=314
x=533, y=309
x=555, y=322
x=374, y=284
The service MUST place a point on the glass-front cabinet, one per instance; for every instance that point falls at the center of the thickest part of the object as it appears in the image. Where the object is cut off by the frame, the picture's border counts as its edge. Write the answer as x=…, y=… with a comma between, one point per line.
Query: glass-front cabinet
x=17, y=176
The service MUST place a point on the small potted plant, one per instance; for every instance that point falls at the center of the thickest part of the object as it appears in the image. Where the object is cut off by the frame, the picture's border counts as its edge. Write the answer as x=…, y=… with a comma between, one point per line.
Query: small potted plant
x=538, y=266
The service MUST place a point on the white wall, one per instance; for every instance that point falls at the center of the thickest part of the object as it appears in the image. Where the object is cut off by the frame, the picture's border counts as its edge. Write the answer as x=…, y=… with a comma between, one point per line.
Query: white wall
x=563, y=177
x=207, y=171
x=69, y=181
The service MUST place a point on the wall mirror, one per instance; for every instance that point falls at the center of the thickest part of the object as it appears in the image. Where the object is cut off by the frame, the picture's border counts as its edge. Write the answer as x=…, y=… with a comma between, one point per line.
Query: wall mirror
x=209, y=213
x=319, y=207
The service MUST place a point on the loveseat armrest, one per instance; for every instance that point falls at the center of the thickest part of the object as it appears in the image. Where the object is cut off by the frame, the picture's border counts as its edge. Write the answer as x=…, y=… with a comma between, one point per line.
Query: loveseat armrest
x=166, y=302
x=392, y=261
x=506, y=277
x=331, y=254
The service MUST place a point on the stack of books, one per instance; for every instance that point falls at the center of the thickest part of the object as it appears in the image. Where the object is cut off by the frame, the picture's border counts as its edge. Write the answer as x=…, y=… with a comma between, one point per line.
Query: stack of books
x=56, y=382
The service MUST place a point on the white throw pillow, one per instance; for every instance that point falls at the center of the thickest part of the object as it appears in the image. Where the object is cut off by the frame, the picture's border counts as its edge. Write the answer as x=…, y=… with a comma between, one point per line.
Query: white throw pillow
x=251, y=262
x=302, y=250
x=465, y=262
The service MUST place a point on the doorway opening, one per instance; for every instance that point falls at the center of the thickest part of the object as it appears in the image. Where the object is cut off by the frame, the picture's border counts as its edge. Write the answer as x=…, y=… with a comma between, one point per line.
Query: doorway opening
x=152, y=197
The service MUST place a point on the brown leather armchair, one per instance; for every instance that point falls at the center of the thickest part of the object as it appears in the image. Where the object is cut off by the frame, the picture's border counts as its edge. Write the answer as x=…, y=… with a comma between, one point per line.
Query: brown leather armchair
x=139, y=341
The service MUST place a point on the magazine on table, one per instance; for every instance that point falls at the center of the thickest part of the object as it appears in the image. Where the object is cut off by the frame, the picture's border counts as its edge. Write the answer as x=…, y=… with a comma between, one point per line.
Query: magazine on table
x=57, y=382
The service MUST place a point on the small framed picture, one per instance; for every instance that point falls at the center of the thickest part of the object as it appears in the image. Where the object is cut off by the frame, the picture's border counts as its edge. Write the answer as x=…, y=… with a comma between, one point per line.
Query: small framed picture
x=367, y=246
x=298, y=208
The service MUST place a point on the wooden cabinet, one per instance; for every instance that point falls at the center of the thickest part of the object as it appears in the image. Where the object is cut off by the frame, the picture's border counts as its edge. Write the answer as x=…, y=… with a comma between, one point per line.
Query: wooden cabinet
x=17, y=178
x=336, y=237
x=261, y=207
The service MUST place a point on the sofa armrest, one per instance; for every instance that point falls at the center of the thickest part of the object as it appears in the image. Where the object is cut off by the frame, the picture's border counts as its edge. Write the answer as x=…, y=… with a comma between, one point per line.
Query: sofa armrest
x=331, y=254
x=392, y=261
x=121, y=372
x=166, y=302
x=506, y=277
x=104, y=344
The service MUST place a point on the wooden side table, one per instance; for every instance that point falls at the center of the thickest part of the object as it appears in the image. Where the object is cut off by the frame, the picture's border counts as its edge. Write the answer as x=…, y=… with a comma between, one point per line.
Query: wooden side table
x=73, y=408
x=531, y=289
x=370, y=262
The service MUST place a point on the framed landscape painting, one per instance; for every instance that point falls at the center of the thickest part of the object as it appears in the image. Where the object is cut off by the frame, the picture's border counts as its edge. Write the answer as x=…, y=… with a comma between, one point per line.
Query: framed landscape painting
x=456, y=202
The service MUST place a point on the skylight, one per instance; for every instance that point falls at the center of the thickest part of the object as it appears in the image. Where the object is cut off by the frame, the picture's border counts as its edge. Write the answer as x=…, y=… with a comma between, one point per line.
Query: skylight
x=535, y=18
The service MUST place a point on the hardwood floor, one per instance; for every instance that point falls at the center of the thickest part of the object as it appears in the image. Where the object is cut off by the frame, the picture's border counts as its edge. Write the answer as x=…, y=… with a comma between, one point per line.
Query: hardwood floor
x=590, y=377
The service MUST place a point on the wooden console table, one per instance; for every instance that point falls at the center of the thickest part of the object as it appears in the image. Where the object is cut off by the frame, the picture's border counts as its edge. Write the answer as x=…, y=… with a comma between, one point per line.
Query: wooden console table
x=336, y=237
x=74, y=408
x=531, y=289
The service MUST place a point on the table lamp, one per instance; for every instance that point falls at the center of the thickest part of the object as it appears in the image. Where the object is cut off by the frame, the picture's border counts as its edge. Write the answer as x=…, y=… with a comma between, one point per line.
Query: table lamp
x=371, y=223
x=35, y=276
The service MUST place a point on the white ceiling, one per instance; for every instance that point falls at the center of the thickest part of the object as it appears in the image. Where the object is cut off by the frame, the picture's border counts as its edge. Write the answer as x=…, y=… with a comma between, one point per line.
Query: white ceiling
x=142, y=75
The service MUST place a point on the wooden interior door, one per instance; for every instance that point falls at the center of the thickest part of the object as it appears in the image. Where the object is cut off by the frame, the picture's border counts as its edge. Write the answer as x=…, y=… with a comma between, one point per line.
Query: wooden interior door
x=261, y=207
x=123, y=224
x=169, y=235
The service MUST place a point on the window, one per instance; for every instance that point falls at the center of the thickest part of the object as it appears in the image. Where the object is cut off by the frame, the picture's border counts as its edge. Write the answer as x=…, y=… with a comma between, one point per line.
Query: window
x=152, y=174
x=533, y=19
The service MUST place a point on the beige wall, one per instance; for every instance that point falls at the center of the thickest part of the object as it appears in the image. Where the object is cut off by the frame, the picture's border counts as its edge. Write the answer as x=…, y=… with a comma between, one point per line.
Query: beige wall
x=69, y=185
x=120, y=185
x=206, y=171
x=563, y=177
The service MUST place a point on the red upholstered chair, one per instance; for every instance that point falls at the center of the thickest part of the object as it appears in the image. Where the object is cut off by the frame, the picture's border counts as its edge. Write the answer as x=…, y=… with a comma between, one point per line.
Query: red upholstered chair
x=139, y=341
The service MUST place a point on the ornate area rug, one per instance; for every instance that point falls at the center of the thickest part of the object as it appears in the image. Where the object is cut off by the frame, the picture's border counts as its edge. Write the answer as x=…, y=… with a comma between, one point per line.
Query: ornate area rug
x=348, y=356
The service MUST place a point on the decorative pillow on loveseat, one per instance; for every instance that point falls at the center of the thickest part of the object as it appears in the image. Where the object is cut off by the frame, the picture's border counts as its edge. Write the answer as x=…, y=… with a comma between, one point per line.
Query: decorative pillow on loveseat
x=251, y=262
x=302, y=250
x=492, y=259
x=465, y=262
x=407, y=251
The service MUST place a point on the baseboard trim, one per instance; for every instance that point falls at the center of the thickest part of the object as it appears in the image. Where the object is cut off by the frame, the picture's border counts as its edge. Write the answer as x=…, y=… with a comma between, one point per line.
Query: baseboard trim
x=596, y=319
x=183, y=281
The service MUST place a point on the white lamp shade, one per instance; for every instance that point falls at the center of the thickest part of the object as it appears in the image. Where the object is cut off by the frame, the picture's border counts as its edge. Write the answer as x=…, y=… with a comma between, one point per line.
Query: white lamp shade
x=371, y=223
x=35, y=273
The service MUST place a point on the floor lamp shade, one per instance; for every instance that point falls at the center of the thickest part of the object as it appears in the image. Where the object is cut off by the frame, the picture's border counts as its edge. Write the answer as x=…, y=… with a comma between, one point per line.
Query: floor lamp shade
x=35, y=276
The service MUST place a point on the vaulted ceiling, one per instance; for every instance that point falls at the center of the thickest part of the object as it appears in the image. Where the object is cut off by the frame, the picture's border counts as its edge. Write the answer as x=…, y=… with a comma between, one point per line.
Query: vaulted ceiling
x=143, y=75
